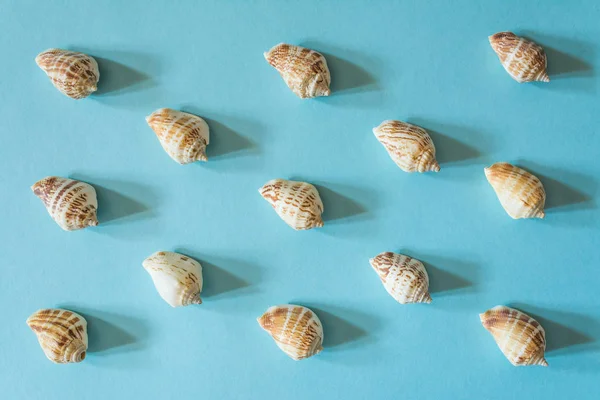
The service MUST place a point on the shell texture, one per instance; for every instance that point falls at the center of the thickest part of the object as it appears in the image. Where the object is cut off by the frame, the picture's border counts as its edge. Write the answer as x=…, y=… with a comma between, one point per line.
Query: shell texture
x=408, y=145
x=520, y=337
x=520, y=193
x=72, y=204
x=62, y=334
x=296, y=330
x=183, y=136
x=303, y=70
x=297, y=203
x=524, y=60
x=74, y=74
x=177, y=278
x=404, y=278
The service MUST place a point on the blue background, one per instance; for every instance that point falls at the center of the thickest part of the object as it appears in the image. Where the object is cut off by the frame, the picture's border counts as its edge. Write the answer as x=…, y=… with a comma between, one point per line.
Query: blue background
x=427, y=63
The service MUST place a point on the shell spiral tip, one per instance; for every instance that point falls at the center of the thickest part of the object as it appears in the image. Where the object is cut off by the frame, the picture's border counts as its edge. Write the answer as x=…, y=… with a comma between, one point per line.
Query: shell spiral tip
x=543, y=362
x=543, y=77
x=435, y=167
x=93, y=222
x=426, y=298
x=196, y=300
x=202, y=157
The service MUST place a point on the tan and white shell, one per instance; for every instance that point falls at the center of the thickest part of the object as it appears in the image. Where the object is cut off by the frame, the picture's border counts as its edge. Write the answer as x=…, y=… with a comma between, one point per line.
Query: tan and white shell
x=524, y=60
x=177, y=278
x=72, y=204
x=408, y=145
x=183, y=136
x=74, y=74
x=403, y=277
x=62, y=334
x=297, y=203
x=305, y=71
x=521, y=338
x=521, y=194
x=296, y=330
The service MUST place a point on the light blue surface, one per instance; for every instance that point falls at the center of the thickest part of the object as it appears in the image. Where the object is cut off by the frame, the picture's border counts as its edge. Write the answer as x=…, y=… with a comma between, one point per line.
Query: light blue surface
x=423, y=62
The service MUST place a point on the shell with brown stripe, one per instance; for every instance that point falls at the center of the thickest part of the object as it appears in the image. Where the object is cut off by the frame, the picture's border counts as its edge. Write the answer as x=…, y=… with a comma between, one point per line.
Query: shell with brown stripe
x=403, y=277
x=297, y=203
x=74, y=74
x=524, y=60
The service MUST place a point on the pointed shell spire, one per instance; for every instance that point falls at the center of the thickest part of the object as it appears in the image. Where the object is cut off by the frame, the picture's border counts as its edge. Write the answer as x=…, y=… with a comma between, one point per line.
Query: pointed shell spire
x=297, y=203
x=74, y=74
x=403, y=277
x=524, y=60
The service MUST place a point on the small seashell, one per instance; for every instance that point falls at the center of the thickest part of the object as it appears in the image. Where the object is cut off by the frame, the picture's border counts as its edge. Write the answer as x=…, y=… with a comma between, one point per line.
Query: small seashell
x=62, y=334
x=404, y=278
x=297, y=331
x=523, y=59
x=177, y=278
x=520, y=337
x=303, y=70
x=520, y=193
x=297, y=203
x=74, y=74
x=183, y=136
x=408, y=145
x=72, y=204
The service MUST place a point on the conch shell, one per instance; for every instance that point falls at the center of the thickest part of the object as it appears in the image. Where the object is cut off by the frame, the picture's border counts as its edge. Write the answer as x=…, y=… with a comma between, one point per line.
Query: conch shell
x=303, y=70
x=296, y=330
x=523, y=59
x=520, y=193
x=297, y=203
x=408, y=145
x=72, y=204
x=177, y=278
x=62, y=334
x=404, y=278
x=520, y=337
x=74, y=74
x=183, y=136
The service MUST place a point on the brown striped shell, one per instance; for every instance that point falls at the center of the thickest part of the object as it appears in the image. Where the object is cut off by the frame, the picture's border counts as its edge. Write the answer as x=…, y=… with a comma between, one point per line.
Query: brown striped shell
x=520, y=337
x=74, y=74
x=408, y=145
x=72, y=204
x=403, y=277
x=62, y=334
x=183, y=136
x=524, y=60
x=520, y=193
x=303, y=70
x=297, y=203
x=296, y=330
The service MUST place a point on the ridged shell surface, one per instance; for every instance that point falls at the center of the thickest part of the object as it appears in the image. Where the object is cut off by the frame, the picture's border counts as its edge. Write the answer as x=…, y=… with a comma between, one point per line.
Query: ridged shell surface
x=177, y=277
x=524, y=60
x=62, y=334
x=520, y=337
x=408, y=145
x=404, y=278
x=303, y=70
x=297, y=203
x=72, y=204
x=183, y=136
x=521, y=194
x=296, y=330
x=74, y=74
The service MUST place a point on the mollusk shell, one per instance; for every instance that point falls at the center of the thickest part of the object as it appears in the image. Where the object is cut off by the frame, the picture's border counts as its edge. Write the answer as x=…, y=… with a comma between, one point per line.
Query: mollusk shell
x=303, y=70
x=520, y=337
x=524, y=60
x=296, y=330
x=404, y=278
x=297, y=203
x=183, y=136
x=74, y=74
x=62, y=334
x=72, y=204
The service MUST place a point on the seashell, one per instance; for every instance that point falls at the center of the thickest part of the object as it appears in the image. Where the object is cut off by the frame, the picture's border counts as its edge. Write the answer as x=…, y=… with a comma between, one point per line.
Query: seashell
x=297, y=203
x=296, y=330
x=520, y=337
x=183, y=136
x=523, y=59
x=72, y=204
x=520, y=193
x=404, y=278
x=177, y=278
x=303, y=70
x=408, y=145
x=62, y=334
x=74, y=74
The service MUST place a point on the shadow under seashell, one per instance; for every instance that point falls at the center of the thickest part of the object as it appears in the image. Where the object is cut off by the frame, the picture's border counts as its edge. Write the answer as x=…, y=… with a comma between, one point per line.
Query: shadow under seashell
x=74, y=74
x=523, y=59
x=403, y=277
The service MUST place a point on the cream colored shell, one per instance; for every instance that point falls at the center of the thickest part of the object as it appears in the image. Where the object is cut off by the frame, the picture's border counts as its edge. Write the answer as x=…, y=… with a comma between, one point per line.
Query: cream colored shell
x=403, y=277
x=296, y=330
x=74, y=74
x=297, y=203
x=524, y=60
